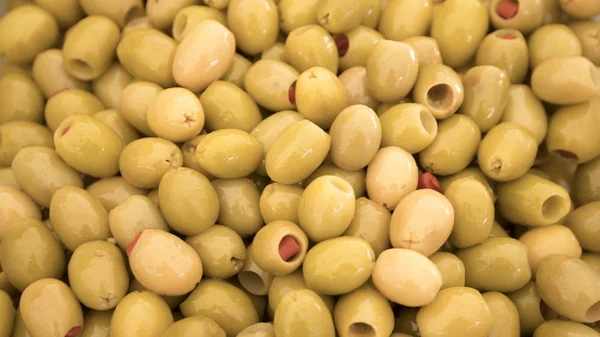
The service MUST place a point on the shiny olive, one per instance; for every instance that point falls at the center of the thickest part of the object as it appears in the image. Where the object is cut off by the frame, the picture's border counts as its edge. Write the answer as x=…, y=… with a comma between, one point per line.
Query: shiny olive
x=507, y=50
x=303, y=313
x=140, y=309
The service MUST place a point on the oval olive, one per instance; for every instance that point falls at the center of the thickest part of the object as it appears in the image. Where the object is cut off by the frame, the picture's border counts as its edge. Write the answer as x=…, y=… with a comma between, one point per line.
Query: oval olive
x=98, y=275
x=49, y=73
x=226, y=106
x=505, y=49
x=451, y=268
x=357, y=85
x=356, y=179
x=258, y=330
x=427, y=49
x=254, y=23
x=175, y=114
x=70, y=102
x=134, y=102
x=112, y=192
x=20, y=99
x=549, y=240
x=17, y=205
x=361, y=41
x=339, y=16
x=561, y=328
x=221, y=250
x=97, y=324
x=527, y=16
x=297, y=13
x=269, y=82
x=410, y=126
x=552, y=40
x=586, y=183
x=525, y=109
x=404, y=19
x=371, y=222
x=109, y=86
x=506, y=316
x=311, y=46
x=440, y=89
x=187, y=17
x=280, y=202
x=363, y=311
x=140, y=309
x=302, y=313
x=239, y=205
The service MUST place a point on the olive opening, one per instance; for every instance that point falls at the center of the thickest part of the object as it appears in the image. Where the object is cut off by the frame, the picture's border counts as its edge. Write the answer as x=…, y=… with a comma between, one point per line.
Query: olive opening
x=292, y=93
x=507, y=34
x=180, y=25
x=289, y=248
x=133, y=243
x=507, y=9
x=552, y=207
x=343, y=44
x=237, y=263
x=566, y=154
x=360, y=329
x=81, y=67
x=132, y=13
x=593, y=313
x=440, y=96
x=252, y=282
x=73, y=332
x=428, y=122
x=64, y=131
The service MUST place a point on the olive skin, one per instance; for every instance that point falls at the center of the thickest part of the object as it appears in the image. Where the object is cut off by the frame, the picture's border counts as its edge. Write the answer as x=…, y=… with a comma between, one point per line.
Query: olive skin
x=239, y=205
x=302, y=313
x=454, y=147
x=77, y=217
x=473, y=212
x=582, y=9
x=422, y=221
x=21, y=44
x=70, y=102
x=141, y=313
x=404, y=19
x=241, y=156
x=175, y=114
x=18, y=206
x=525, y=109
x=311, y=46
x=585, y=182
x=570, y=287
x=409, y=289
x=584, y=30
x=391, y=175
x=506, y=316
x=290, y=159
x=444, y=316
x=187, y=17
x=451, y=268
x=254, y=23
x=192, y=326
x=221, y=250
x=527, y=300
x=21, y=99
x=112, y=118
x=549, y=240
x=97, y=323
x=355, y=137
x=363, y=309
x=134, y=102
x=338, y=266
x=176, y=272
x=459, y=39
x=280, y=202
x=226, y=304
x=258, y=330
x=294, y=14
x=98, y=275
x=545, y=202
x=195, y=66
x=314, y=215
x=583, y=223
x=49, y=73
x=41, y=172
x=543, y=43
x=391, y=81
x=411, y=126
x=361, y=41
x=269, y=82
x=29, y=253
x=340, y=16
x=560, y=328
x=49, y=308
x=356, y=179
x=427, y=49
x=188, y=201
x=226, y=106
x=497, y=264
x=551, y=80
x=357, y=86
x=371, y=222
x=505, y=49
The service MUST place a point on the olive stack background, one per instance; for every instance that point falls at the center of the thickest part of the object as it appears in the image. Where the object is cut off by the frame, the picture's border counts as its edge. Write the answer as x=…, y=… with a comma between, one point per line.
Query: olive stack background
x=300, y=168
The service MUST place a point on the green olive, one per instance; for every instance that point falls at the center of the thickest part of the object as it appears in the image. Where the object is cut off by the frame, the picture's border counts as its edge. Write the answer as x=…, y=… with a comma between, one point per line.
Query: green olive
x=97, y=324
x=586, y=33
x=497, y=264
x=254, y=23
x=525, y=109
x=427, y=49
x=283, y=284
x=225, y=303
x=550, y=240
x=175, y=114
x=303, y=313
x=20, y=99
x=527, y=17
x=114, y=120
x=506, y=316
x=583, y=222
x=363, y=311
x=7, y=177
x=391, y=175
x=371, y=223
x=221, y=250
x=48, y=70
x=188, y=149
x=19, y=327
x=410, y=126
x=140, y=22
x=239, y=205
x=70, y=102
x=297, y=152
x=357, y=85
x=141, y=309
x=469, y=172
x=275, y=52
x=586, y=183
x=226, y=106
x=391, y=81
x=338, y=266
x=196, y=66
x=414, y=289
x=320, y=96
x=269, y=82
x=29, y=253
x=77, y=217
x=109, y=86
x=258, y=330
x=229, y=153
x=560, y=328
x=565, y=80
x=570, y=287
x=237, y=70
x=49, y=308
x=422, y=221
x=532, y=201
x=404, y=19
x=88, y=145
x=132, y=216
x=459, y=26
x=440, y=89
x=16, y=135
x=188, y=201
x=17, y=205
x=451, y=268
x=98, y=275
x=311, y=46
x=456, y=311
x=119, y=11
x=21, y=43
x=338, y=16
x=454, y=147
x=280, y=202
x=279, y=247
x=84, y=62
x=252, y=277
x=297, y=13
x=134, y=102
x=552, y=40
x=194, y=326
x=528, y=303
x=356, y=179
x=361, y=41
x=145, y=161
x=505, y=49
x=187, y=17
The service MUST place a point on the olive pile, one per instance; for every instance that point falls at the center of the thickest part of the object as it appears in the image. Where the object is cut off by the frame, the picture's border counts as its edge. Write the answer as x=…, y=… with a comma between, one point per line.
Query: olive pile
x=300, y=168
